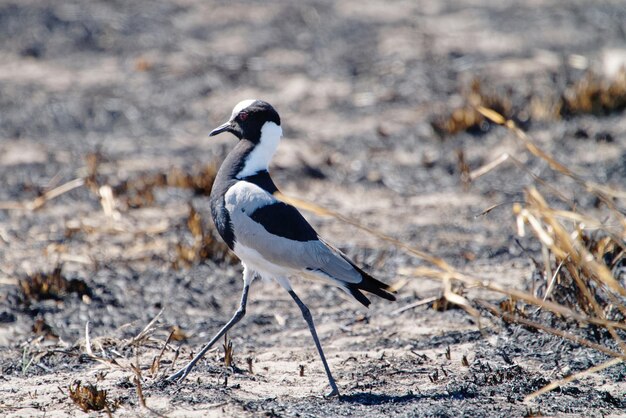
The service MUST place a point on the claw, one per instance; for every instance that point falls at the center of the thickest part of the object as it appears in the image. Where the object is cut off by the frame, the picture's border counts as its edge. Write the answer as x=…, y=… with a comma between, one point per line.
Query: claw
x=178, y=377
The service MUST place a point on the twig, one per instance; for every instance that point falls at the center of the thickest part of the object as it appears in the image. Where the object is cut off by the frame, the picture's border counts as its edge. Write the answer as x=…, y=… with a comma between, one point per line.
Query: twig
x=576, y=376
x=38, y=202
x=142, y=400
x=414, y=305
x=140, y=395
x=599, y=190
x=473, y=175
x=520, y=165
x=88, y=341
x=176, y=354
x=553, y=280
x=497, y=205
x=145, y=331
x=157, y=360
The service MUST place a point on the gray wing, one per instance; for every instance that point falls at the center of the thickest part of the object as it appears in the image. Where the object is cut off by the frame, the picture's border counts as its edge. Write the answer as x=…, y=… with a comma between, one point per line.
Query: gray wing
x=281, y=236
x=282, y=243
x=331, y=262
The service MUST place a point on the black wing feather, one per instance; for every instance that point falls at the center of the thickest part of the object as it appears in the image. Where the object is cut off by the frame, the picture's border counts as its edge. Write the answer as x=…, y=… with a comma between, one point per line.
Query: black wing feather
x=284, y=221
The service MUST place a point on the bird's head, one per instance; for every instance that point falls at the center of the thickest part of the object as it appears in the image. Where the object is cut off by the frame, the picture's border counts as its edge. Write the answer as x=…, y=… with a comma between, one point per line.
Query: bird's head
x=250, y=120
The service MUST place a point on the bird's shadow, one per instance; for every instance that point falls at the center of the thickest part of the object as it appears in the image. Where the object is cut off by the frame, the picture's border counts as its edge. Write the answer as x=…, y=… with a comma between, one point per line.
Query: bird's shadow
x=364, y=398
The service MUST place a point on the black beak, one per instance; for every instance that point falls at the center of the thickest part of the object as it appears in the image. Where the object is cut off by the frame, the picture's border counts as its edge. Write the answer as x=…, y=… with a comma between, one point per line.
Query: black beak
x=226, y=127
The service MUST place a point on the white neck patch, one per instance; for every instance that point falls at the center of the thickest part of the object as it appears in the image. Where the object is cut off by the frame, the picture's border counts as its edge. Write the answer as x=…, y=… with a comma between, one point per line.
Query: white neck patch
x=260, y=157
x=241, y=106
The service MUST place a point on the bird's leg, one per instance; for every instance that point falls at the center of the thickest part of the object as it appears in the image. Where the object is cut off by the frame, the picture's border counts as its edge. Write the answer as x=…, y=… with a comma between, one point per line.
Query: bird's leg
x=180, y=375
x=309, y=320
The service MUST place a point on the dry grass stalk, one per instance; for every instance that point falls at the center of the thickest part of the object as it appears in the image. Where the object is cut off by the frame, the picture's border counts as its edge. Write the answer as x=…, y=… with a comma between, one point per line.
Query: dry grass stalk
x=582, y=263
x=563, y=244
x=40, y=201
x=108, y=202
x=515, y=294
x=141, y=338
x=413, y=305
x=88, y=341
x=228, y=351
x=463, y=168
x=145, y=332
x=601, y=191
x=473, y=175
x=156, y=363
x=573, y=377
x=137, y=381
x=139, y=388
x=568, y=248
x=142, y=399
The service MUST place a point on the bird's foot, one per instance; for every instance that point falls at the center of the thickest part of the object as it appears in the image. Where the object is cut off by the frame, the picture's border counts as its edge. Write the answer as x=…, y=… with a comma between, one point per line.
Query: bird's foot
x=179, y=376
x=334, y=392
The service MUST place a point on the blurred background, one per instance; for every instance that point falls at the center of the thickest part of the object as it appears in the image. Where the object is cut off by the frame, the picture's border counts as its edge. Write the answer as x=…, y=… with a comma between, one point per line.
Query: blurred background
x=112, y=101
x=152, y=78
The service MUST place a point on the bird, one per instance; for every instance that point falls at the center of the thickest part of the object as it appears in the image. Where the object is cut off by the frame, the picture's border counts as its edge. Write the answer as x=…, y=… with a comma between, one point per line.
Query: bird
x=270, y=237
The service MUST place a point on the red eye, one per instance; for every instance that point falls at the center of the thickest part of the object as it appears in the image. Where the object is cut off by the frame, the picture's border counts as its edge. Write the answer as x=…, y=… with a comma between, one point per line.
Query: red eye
x=243, y=116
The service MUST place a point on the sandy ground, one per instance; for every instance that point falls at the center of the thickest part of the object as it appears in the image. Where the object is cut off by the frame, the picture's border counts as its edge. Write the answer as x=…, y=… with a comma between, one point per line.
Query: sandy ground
x=358, y=85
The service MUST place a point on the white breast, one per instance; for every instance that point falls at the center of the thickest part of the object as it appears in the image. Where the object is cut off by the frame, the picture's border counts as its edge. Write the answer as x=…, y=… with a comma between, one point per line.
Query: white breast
x=246, y=197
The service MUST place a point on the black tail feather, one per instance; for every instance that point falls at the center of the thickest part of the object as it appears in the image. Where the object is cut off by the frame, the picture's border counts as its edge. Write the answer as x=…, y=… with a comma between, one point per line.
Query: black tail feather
x=371, y=285
x=356, y=293
x=367, y=283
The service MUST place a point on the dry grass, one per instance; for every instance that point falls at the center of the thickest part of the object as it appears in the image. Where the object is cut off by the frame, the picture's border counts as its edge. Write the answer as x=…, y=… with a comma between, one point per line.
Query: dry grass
x=89, y=398
x=117, y=197
x=583, y=256
x=53, y=285
x=140, y=191
x=580, y=267
x=591, y=94
x=205, y=245
x=594, y=95
x=42, y=329
x=467, y=118
x=111, y=356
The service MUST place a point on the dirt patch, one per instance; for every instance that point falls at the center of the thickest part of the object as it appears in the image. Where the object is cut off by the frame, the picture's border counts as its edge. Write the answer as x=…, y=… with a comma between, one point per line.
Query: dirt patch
x=121, y=97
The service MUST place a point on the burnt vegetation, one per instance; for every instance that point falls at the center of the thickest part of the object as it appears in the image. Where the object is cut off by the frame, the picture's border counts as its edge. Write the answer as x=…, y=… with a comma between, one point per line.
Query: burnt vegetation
x=112, y=271
x=51, y=285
